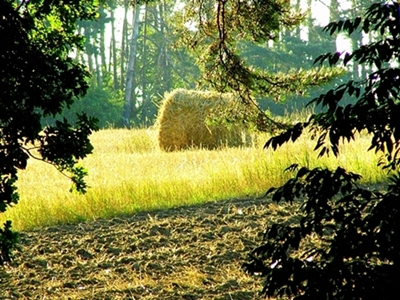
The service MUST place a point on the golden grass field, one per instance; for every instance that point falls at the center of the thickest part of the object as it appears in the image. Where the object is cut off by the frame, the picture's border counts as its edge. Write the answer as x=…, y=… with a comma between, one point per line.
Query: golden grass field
x=128, y=174
x=155, y=225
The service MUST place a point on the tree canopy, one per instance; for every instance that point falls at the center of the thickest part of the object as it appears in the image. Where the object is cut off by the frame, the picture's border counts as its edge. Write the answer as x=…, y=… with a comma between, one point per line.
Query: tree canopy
x=346, y=243
x=39, y=78
x=215, y=32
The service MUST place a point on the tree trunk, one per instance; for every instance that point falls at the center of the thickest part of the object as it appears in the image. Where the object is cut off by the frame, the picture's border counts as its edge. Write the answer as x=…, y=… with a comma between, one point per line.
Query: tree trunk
x=143, y=79
x=98, y=72
x=113, y=50
x=102, y=48
x=130, y=74
x=166, y=68
x=89, y=52
x=309, y=22
x=124, y=42
x=356, y=41
x=297, y=30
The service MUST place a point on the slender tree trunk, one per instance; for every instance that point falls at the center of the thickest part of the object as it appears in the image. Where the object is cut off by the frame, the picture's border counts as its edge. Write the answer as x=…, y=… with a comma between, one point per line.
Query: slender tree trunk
x=143, y=79
x=356, y=41
x=113, y=50
x=98, y=71
x=89, y=52
x=130, y=74
x=309, y=20
x=102, y=47
x=124, y=42
x=298, y=28
x=166, y=68
x=79, y=54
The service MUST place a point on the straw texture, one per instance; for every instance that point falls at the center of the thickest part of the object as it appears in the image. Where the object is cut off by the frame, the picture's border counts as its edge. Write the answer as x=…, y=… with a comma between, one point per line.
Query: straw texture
x=182, y=121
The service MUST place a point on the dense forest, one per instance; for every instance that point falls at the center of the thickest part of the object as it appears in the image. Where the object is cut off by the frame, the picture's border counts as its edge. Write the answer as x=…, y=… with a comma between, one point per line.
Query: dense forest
x=134, y=56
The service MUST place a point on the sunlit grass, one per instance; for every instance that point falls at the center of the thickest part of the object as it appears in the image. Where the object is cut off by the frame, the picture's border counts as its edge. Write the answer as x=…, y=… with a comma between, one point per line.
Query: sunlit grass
x=128, y=173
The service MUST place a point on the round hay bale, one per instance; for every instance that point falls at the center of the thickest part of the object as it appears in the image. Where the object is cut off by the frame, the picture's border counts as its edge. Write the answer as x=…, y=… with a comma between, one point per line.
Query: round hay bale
x=182, y=121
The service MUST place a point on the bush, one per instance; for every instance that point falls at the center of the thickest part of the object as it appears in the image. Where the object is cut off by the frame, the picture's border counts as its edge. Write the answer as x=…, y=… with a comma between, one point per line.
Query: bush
x=104, y=104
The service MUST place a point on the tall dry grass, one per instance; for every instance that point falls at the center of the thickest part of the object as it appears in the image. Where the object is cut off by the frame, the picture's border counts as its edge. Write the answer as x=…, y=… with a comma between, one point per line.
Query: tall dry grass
x=128, y=173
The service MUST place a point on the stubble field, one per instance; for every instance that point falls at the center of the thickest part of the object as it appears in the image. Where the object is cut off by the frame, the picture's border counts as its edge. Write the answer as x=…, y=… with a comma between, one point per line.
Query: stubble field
x=191, y=252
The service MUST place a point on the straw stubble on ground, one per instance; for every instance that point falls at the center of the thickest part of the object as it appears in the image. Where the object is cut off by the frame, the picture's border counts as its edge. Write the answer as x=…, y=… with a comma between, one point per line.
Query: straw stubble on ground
x=184, y=253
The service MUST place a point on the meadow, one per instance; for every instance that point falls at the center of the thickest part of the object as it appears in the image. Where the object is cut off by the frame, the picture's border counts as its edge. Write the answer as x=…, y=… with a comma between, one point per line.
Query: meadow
x=156, y=225
x=129, y=174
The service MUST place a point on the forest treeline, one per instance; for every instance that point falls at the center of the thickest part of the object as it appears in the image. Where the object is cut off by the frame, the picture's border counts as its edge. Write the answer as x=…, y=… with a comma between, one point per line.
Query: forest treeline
x=134, y=56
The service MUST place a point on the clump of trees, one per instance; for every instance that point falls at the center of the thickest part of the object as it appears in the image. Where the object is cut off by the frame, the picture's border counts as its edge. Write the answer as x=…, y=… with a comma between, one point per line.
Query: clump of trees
x=146, y=56
x=129, y=50
x=134, y=51
x=346, y=244
x=38, y=78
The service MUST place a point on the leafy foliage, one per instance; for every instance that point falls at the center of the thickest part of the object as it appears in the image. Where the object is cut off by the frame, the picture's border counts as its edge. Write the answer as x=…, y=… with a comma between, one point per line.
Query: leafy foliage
x=103, y=103
x=39, y=78
x=8, y=241
x=222, y=25
x=346, y=244
x=213, y=31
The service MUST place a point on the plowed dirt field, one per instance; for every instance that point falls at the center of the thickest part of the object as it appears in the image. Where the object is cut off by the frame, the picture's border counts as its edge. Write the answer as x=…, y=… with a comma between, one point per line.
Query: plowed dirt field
x=184, y=253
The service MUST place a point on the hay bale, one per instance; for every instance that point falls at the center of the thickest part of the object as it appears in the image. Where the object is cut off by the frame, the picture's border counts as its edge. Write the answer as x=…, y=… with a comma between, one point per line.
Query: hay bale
x=182, y=121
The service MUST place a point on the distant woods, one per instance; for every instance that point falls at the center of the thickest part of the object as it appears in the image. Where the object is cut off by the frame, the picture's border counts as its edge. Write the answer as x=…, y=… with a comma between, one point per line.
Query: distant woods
x=134, y=56
x=129, y=50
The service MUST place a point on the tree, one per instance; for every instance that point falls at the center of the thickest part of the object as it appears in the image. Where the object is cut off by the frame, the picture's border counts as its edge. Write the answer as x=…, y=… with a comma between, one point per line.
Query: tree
x=94, y=33
x=291, y=51
x=155, y=65
x=130, y=85
x=346, y=243
x=213, y=30
x=39, y=78
x=162, y=66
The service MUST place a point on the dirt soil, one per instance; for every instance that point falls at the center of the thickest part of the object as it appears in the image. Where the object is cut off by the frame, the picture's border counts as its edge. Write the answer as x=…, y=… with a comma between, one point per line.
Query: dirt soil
x=184, y=253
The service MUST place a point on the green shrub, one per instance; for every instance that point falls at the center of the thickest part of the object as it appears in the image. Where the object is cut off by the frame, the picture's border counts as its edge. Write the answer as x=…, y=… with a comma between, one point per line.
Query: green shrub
x=103, y=103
